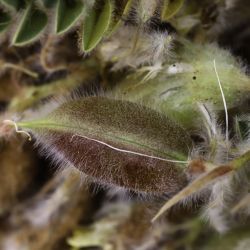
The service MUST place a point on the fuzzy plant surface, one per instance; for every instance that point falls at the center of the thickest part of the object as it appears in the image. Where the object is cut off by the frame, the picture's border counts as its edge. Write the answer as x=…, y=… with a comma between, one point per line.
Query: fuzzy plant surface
x=127, y=147
x=179, y=86
x=124, y=114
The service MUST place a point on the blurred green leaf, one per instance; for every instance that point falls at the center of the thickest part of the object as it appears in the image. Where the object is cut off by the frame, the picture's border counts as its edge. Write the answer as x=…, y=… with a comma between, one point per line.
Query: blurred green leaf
x=13, y=4
x=47, y=3
x=170, y=8
x=95, y=25
x=68, y=12
x=5, y=20
x=122, y=8
x=31, y=26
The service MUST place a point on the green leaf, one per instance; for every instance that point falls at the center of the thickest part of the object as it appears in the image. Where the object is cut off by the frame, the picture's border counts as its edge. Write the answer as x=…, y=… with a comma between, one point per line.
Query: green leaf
x=95, y=25
x=5, y=20
x=31, y=26
x=116, y=142
x=68, y=12
x=12, y=4
x=122, y=9
x=47, y=3
x=170, y=8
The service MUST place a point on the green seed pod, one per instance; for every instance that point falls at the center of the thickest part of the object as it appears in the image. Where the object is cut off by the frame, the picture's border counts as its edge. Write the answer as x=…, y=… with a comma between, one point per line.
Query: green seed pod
x=116, y=142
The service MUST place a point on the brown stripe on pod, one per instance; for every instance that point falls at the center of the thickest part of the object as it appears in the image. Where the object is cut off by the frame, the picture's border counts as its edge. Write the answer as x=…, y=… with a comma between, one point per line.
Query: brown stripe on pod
x=109, y=166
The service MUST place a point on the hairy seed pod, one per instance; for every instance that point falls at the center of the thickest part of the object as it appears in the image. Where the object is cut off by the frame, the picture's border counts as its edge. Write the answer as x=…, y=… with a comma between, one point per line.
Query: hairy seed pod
x=116, y=142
